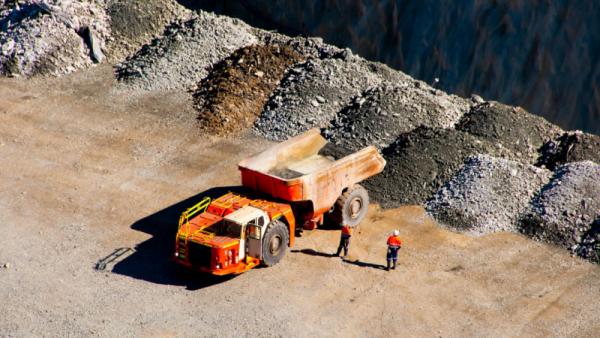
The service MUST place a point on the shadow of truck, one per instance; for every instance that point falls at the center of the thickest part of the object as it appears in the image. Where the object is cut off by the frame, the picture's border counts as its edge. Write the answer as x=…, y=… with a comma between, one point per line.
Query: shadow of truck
x=151, y=259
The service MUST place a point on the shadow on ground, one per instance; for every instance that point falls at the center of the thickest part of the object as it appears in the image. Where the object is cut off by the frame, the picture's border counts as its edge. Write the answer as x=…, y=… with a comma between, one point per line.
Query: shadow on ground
x=151, y=259
x=355, y=262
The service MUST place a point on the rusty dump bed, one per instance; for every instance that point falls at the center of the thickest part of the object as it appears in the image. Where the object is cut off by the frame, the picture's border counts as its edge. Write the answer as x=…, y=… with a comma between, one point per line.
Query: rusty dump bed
x=295, y=171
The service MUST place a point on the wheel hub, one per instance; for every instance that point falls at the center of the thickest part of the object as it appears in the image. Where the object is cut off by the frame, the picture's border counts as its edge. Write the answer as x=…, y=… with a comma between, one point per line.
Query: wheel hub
x=275, y=244
x=355, y=207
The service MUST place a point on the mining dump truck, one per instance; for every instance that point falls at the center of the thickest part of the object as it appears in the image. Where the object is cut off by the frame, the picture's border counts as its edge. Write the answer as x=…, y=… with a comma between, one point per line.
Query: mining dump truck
x=296, y=183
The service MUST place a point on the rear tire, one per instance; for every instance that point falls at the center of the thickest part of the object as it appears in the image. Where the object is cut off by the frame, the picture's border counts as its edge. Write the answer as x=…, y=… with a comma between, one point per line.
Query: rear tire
x=275, y=243
x=351, y=207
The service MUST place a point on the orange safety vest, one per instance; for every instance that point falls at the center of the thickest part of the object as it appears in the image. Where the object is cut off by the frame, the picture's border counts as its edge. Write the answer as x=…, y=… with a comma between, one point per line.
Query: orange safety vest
x=394, y=241
x=346, y=230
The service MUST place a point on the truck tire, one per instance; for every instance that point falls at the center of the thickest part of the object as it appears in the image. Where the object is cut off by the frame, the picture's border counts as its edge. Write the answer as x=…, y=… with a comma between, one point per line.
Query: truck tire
x=275, y=243
x=351, y=207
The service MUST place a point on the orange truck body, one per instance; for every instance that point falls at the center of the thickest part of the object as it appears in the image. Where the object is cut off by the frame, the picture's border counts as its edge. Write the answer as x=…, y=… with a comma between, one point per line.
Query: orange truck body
x=300, y=186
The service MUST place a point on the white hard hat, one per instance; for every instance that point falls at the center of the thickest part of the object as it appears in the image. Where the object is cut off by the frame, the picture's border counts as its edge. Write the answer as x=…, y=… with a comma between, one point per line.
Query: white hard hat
x=396, y=232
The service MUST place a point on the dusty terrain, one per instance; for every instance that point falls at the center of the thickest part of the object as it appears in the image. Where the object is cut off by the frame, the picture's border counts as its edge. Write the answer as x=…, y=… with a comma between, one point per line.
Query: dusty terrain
x=86, y=170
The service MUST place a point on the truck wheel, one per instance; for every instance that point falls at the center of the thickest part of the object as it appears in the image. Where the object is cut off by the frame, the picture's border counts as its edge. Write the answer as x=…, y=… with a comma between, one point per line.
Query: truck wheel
x=351, y=207
x=275, y=243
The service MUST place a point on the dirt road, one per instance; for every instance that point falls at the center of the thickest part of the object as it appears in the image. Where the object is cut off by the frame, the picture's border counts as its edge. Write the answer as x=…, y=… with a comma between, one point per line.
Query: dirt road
x=86, y=170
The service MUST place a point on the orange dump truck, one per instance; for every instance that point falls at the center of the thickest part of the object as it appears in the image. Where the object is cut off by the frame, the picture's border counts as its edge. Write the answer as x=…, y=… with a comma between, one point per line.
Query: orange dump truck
x=294, y=184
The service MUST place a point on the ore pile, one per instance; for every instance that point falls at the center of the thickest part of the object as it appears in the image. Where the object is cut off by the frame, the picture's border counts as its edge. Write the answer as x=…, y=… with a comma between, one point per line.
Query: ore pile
x=306, y=46
x=381, y=114
x=134, y=23
x=184, y=54
x=511, y=127
x=313, y=92
x=487, y=195
x=51, y=37
x=421, y=161
x=570, y=147
x=233, y=94
x=567, y=210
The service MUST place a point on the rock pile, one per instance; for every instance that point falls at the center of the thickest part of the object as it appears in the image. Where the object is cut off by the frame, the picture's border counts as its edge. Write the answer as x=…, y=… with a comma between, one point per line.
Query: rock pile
x=183, y=55
x=421, y=161
x=233, y=94
x=487, y=195
x=567, y=210
x=308, y=47
x=381, y=114
x=313, y=92
x=570, y=147
x=51, y=36
x=511, y=127
x=134, y=23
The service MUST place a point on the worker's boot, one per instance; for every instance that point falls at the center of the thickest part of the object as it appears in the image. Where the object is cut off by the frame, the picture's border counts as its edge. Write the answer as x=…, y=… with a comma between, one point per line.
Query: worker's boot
x=388, y=266
x=394, y=266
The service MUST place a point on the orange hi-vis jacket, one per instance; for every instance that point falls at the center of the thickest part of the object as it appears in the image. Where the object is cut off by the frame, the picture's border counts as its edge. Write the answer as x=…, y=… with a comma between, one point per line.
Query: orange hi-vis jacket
x=394, y=241
x=346, y=230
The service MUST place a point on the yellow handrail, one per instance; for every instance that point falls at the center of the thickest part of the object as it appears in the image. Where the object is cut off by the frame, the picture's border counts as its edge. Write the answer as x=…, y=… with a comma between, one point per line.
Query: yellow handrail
x=192, y=211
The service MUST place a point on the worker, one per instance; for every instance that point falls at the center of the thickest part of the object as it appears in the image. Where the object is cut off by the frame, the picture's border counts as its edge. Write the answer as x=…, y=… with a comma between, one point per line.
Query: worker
x=394, y=244
x=344, y=240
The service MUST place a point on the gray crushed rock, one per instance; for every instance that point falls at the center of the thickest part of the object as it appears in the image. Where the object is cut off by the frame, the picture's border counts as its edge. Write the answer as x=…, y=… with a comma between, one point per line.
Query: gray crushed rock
x=134, y=23
x=381, y=114
x=51, y=37
x=487, y=195
x=184, y=54
x=306, y=46
x=511, y=127
x=566, y=212
x=311, y=93
x=572, y=146
x=421, y=161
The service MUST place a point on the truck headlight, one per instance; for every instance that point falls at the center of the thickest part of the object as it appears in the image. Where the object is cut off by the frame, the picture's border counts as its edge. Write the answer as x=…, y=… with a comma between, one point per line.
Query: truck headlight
x=218, y=265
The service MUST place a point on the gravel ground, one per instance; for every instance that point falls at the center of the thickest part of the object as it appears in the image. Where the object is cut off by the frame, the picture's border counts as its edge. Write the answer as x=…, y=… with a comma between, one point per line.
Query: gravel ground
x=512, y=127
x=567, y=210
x=381, y=114
x=312, y=93
x=51, y=37
x=233, y=94
x=572, y=146
x=134, y=23
x=183, y=56
x=487, y=195
x=421, y=161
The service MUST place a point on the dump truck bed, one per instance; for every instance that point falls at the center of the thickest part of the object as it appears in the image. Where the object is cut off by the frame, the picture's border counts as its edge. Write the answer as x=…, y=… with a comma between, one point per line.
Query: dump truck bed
x=295, y=171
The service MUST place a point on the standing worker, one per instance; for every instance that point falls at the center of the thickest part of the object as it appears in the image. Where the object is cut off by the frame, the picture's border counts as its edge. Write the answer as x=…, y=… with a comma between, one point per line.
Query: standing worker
x=394, y=244
x=344, y=240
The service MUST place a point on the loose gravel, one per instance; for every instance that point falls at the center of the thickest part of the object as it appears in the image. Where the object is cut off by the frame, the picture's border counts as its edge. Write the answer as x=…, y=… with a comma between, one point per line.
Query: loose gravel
x=313, y=92
x=567, y=210
x=381, y=114
x=511, y=127
x=183, y=56
x=134, y=23
x=487, y=195
x=572, y=146
x=421, y=161
x=51, y=37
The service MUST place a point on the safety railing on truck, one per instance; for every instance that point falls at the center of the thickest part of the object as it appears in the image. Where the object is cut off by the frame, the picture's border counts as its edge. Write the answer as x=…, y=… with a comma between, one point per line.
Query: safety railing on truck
x=184, y=219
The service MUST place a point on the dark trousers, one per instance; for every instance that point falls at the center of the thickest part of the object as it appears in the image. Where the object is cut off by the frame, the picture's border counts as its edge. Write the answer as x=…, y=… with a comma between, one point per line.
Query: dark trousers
x=392, y=255
x=344, y=243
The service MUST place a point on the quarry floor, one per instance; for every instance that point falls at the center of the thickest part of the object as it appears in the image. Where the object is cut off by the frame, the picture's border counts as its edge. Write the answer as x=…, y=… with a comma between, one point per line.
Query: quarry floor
x=87, y=169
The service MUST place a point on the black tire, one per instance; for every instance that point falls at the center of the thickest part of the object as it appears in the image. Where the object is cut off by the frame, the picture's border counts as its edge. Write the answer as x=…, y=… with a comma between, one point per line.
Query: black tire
x=351, y=208
x=275, y=243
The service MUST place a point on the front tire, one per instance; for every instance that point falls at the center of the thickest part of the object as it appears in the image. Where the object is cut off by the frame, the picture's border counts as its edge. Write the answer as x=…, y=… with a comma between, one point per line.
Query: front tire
x=351, y=207
x=275, y=243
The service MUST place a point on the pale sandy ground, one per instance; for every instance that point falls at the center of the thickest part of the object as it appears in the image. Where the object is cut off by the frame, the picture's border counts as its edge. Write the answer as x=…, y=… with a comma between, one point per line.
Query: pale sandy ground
x=85, y=171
